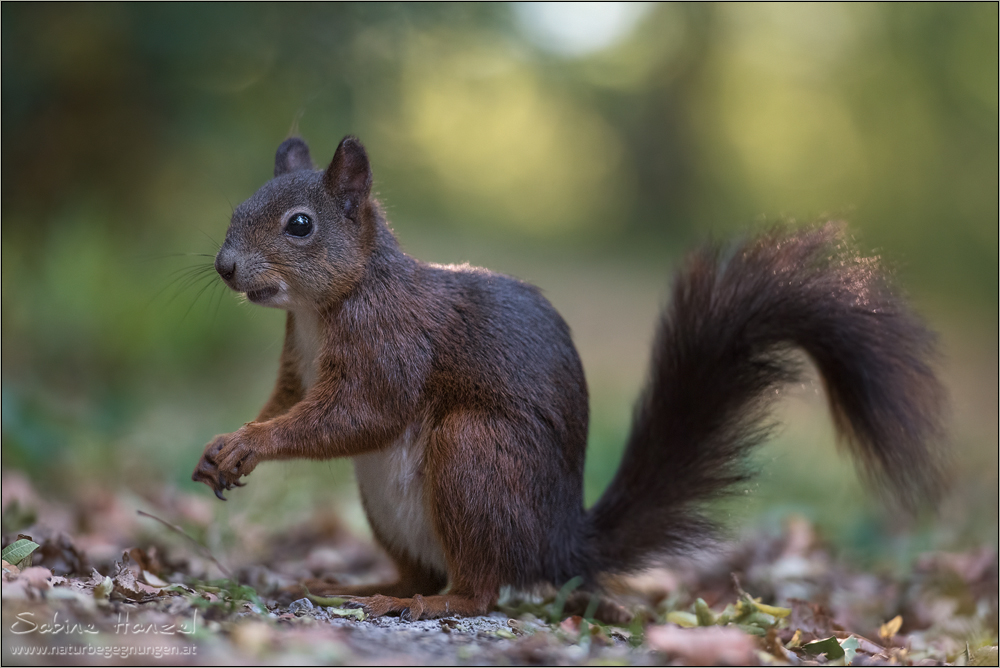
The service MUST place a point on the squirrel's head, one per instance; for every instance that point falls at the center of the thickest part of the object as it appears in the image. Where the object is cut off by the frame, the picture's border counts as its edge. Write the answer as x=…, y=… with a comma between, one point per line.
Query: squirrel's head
x=304, y=237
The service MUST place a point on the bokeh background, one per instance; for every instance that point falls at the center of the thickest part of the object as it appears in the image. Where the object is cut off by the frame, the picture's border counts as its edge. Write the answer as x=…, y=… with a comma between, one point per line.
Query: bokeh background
x=579, y=147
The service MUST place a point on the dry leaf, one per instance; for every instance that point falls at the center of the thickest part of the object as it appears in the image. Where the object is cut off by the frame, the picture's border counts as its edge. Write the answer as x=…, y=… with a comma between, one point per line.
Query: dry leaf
x=889, y=630
x=705, y=646
x=37, y=576
x=571, y=625
x=126, y=585
x=10, y=571
x=153, y=580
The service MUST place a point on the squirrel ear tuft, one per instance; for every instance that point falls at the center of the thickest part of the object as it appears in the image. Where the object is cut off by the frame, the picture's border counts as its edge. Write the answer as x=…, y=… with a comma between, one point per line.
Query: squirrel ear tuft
x=349, y=174
x=292, y=155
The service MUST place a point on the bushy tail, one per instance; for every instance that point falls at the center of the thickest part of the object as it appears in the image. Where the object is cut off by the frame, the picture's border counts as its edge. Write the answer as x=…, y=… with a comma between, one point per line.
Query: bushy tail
x=721, y=351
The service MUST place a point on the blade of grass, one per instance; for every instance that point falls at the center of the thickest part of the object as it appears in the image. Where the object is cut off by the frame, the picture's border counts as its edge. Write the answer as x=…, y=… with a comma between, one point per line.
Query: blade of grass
x=205, y=552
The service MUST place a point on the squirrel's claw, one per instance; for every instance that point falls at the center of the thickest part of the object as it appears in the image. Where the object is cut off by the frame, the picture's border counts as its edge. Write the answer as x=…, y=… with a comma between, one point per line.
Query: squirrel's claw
x=225, y=460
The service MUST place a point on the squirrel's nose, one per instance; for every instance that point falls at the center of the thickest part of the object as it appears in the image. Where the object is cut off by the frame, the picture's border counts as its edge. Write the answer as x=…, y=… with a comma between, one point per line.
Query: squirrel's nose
x=225, y=267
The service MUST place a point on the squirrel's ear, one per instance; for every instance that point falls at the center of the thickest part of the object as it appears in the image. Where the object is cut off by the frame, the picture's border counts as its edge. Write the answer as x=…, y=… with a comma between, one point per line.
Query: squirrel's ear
x=349, y=175
x=292, y=155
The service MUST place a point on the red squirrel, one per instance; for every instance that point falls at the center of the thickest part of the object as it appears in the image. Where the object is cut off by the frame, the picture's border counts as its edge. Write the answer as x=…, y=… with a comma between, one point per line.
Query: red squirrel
x=462, y=399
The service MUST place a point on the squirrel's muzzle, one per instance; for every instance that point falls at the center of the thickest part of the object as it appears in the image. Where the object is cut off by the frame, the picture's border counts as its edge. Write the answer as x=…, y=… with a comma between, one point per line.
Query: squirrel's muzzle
x=225, y=263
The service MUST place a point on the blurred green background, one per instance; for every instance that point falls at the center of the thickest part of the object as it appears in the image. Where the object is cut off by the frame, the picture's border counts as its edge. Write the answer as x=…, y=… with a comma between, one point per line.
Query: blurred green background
x=582, y=148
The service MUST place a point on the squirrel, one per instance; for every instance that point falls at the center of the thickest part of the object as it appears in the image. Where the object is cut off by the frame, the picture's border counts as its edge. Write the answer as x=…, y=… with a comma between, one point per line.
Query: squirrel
x=461, y=397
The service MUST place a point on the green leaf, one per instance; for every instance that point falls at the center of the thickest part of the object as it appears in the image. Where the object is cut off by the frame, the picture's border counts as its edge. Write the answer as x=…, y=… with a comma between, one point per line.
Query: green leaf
x=703, y=613
x=18, y=550
x=356, y=613
x=850, y=646
x=326, y=601
x=681, y=618
x=761, y=619
x=727, y=615
x=773, y=610
x=828, y=646
x=751, y=630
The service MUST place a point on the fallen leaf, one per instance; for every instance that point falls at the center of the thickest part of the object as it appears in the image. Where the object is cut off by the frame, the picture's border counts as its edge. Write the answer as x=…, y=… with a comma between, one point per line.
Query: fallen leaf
x=706, y=646
x=772, y=645
x=828, y=646
x=356, y=613
x=571, y=625
x=703, y=613
x=326, y=601
x=773, y=610
x=147, y=560
x=154, y=581
x=126, y=585
x=10, y=570
x=850, y=646
x=37, y=576
x=103, y=589
x=16, y=552
x=681, y=618
x=751, y=629
x=810, y=618
x=889, y=630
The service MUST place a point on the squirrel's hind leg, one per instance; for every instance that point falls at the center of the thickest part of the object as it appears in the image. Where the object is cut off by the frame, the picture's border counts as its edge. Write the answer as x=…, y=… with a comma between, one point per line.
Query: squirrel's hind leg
x=426, y=607
x=414, y=579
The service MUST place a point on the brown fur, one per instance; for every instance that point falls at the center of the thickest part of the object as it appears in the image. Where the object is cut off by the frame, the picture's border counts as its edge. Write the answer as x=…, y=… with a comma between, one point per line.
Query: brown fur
x=288, y=390
x=465, y=387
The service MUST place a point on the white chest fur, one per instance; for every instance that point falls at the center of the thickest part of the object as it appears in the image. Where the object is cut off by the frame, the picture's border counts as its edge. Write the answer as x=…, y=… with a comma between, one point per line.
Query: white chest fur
x=308, y=338
x=391, y=480
x=394, y=494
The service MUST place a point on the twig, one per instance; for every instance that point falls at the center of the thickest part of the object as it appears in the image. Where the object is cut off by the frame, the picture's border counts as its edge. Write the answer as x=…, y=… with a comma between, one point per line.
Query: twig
x=737, y=587
x=201, y=548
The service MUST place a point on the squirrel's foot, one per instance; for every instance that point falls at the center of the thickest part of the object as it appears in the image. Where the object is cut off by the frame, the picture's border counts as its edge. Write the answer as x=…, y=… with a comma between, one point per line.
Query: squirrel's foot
x=421, y=607
x=379, y=606
x=225, y=460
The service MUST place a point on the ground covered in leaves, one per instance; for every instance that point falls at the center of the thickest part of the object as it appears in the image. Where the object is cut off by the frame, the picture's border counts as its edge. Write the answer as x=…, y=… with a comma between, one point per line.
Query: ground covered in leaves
x=99, y=582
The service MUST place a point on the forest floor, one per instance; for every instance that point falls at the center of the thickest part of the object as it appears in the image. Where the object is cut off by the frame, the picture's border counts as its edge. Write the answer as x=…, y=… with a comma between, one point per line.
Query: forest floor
x=107, y=584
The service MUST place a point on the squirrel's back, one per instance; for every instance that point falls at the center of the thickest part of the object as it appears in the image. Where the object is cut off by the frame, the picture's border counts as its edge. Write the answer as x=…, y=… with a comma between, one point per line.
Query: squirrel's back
x=500, y=337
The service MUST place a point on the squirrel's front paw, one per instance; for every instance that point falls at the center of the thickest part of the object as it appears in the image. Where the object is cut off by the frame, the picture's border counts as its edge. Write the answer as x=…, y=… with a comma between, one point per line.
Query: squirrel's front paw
x=225, y=460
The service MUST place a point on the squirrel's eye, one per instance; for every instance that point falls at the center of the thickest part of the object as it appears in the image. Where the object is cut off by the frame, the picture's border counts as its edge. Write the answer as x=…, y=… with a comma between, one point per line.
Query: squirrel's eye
x=299, y=225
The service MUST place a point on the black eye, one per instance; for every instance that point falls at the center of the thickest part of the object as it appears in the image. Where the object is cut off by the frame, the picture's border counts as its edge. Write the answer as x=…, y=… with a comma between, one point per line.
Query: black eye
x=299, y=225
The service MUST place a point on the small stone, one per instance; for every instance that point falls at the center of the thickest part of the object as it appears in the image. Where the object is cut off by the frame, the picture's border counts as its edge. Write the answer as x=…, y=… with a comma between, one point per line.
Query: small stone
x=302, y=604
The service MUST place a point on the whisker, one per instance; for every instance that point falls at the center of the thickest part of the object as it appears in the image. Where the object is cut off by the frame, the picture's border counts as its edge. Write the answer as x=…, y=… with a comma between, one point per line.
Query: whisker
x=191, y=284
x=185, y=270
x=164, y=256
x=219, y=295
x=216, y=243
x=190, y=273
x=183, y=278
x=195, y=300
